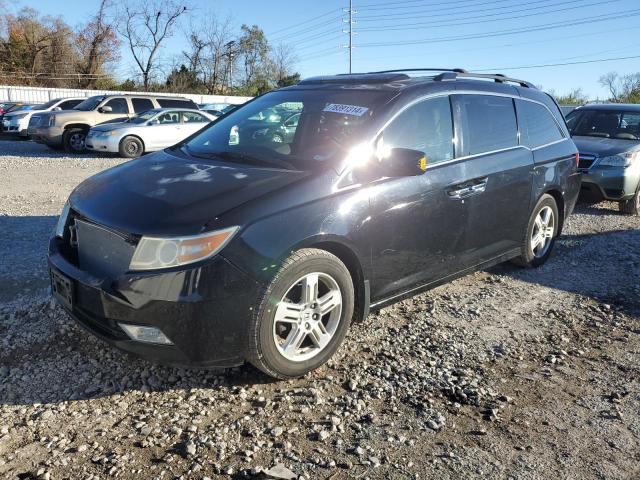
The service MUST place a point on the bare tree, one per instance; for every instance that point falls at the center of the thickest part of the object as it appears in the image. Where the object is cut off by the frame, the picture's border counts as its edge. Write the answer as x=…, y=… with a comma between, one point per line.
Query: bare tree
x=623, y=88
x=283, y=60
x=145, y=24
x=98, y=45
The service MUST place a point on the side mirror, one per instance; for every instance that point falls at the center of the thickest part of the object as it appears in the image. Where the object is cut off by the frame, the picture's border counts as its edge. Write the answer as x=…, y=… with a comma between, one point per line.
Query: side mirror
x=56, y=109
x=403, y=162
x=155, y=121
x=105, y=109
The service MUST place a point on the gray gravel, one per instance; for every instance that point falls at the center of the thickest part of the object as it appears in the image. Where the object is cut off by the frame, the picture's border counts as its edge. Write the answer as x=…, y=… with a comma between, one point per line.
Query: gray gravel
x=505, y=373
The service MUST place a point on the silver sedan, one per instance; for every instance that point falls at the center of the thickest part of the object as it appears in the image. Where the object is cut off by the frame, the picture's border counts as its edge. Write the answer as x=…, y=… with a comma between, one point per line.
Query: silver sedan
x=151, y=130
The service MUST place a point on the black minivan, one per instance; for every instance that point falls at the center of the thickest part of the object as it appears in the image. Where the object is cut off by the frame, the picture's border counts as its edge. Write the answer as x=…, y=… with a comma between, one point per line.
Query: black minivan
x=232, y=247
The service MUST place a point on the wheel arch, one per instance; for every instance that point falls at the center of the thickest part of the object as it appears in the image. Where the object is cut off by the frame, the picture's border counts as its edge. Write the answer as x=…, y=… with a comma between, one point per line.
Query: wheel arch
x=83, y=126
x=559, y=198
x=351, y=260
x=135, y=136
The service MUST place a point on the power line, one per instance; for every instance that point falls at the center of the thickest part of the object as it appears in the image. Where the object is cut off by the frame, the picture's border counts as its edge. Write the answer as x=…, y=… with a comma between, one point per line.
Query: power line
x=385, y=5
x=476, y=18
x=462, y=13
x=564, y=38
x=305, y=31
x=522, y=67
x=537, y=28
x=297, y=24
x=444, y=11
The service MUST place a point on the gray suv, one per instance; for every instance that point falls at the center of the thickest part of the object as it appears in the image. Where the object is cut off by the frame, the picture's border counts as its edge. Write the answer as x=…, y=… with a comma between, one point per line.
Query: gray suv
x=68, y=129
x=608, y=138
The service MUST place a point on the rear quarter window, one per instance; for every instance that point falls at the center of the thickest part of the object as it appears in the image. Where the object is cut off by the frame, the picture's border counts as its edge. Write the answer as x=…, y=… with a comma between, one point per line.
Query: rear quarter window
x=176, y=103
x=538, y=125
x=488, y=123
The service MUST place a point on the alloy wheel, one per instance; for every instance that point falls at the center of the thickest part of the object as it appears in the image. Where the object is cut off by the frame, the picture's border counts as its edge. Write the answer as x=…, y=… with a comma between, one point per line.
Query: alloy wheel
x=307, y=317
x=76, y=141
x=131, y=148
x=542, y=233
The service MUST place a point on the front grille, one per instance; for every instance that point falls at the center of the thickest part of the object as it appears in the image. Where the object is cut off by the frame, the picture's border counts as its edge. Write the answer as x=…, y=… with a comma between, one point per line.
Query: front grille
x=102, y=252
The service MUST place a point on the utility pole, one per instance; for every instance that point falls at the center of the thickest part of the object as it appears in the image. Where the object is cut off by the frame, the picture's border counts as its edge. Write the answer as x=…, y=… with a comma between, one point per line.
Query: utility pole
x=231, y=53
x=350, y=32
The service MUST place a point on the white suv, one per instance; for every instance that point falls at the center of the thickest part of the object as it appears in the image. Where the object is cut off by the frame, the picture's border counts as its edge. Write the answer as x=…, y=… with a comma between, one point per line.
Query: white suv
x=18, y=122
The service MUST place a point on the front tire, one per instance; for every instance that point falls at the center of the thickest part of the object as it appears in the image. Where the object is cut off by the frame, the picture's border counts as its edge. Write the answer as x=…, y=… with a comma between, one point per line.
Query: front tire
x=631, y=206
x=303, y=315
x=131, y=147
x=542, y=230
x=73, y=140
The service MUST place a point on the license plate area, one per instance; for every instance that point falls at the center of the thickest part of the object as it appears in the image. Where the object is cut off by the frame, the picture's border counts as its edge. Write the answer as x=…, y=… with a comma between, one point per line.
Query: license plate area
x=62, y=288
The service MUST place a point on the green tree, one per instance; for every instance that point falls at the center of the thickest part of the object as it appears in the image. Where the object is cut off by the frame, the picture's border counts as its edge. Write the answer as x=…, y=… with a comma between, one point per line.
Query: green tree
x=574, y=97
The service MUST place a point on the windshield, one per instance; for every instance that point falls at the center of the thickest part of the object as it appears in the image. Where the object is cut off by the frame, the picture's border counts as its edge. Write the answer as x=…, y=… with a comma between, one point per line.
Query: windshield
x=329, y=122
x=48, y=105
x=623, y=125
x=89, y=104
x=144, y=116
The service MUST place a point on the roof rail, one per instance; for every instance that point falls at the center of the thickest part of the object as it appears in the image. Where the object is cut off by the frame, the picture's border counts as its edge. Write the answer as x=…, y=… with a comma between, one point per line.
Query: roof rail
x=456, y=70
x=496, y=77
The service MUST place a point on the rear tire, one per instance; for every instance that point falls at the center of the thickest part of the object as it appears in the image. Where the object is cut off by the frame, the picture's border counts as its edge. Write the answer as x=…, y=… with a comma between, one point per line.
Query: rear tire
x=542, y=230
x=631, y=206
x=73, y=140
x=272, y=345
x=131, y=147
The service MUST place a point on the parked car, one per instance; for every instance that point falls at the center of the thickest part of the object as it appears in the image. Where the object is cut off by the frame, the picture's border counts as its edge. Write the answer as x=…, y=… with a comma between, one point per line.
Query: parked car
x=219, y=106
x=4, y=106
x=152, y=130
x=281, y=132
x=608, y=138
x=567, y=109
x=68, y=129
x=223, y=249
x=12, y=107
x=17, y=122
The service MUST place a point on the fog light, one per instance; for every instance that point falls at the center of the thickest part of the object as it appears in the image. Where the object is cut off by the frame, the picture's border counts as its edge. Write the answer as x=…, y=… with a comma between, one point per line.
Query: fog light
x=145, y=334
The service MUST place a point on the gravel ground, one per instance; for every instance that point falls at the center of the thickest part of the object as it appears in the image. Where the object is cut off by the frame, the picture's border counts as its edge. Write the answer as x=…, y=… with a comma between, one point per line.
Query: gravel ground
x=506, y=373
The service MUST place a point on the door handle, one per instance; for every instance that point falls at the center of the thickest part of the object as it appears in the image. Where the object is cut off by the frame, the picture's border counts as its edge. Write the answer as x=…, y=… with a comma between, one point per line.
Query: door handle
x=467, y=189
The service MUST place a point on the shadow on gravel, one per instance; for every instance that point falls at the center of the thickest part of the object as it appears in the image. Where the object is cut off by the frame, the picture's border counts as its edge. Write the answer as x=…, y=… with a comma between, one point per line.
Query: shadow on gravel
x=603, y=266
x=48, y=360
x=23, y=253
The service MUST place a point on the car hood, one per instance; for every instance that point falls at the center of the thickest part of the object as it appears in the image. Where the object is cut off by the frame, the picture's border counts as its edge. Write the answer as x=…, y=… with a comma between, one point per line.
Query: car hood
x=164, y=194
x=603, y=147
x=107, y=127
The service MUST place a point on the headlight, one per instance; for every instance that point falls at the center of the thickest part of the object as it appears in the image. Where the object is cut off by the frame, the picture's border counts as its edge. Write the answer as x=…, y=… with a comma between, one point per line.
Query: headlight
x=52, y=120
x=621, y=160
x=106, y=134
x=153, y=252
x=62, y=220
x=19, y=116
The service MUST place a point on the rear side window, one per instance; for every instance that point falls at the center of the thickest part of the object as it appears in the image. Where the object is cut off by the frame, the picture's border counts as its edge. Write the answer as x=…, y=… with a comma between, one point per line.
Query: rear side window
x=141, y=104
x=118, y=105
x=425, y=126
x=488, y=123
x=176, y=103
x=69, y=104
x=538, y=126
x=193, y=117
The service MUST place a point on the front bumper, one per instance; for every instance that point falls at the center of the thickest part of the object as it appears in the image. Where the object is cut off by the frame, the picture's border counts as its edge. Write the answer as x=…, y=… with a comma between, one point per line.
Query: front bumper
x=102, y=144
x=17, y=127
x=46, y=135
x=609, y=183
x=204, y=310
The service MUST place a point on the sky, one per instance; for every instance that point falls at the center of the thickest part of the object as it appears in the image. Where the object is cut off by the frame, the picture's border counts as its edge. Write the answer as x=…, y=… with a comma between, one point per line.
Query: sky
x=478, y=35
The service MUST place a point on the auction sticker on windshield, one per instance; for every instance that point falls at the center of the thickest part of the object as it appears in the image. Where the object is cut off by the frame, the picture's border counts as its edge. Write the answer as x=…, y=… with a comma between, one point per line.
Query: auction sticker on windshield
x=345, y=109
